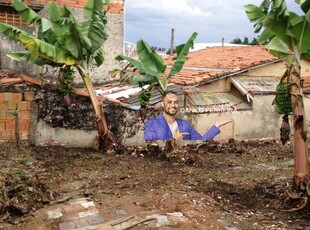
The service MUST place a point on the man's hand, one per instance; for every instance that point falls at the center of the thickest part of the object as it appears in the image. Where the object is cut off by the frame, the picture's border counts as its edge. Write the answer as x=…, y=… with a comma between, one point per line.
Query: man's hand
x=178, y=136
x=221, y=123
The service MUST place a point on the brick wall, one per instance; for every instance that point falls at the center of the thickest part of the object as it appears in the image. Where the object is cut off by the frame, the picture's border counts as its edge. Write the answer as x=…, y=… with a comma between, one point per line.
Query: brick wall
x=9, y=16
x=116, y=7
x=11, y=103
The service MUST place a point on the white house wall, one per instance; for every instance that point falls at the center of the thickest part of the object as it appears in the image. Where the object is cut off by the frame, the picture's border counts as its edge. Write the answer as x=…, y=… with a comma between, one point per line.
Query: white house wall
x=261, y=122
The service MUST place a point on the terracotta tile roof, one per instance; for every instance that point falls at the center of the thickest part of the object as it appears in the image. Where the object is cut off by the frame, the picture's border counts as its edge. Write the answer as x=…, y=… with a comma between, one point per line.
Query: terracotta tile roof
x=210, y=63
x=9, y=77
x=116, y=93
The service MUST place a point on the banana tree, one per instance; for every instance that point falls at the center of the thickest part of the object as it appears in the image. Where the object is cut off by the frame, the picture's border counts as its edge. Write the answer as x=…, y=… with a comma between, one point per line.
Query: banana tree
x=288, y=35
x=149, y=72
x=61, y=41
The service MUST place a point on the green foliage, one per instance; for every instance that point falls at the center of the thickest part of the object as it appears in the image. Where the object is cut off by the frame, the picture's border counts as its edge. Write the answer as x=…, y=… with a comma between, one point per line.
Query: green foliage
x=144, y=97
x=66, y=78
x=282, y=100
x=236, y=41
x=149, y=69
x=284, y=31
x=61, y=39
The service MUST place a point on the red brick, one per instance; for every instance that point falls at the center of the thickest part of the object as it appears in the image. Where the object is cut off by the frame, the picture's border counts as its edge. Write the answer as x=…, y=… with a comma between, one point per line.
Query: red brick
x=2, y=126
x=10, y=115
x=24, y=115
x=24, y=136
x=23, y=125
x=10, y=126
x=2, y=115
x=40, y=227
x=6, y=135
x=23, y=106
x=1, y=97
x=7, y=96
x=29, y=96
x=3, y=106
x=73, y=208
x=12, y=105
x=17, y=96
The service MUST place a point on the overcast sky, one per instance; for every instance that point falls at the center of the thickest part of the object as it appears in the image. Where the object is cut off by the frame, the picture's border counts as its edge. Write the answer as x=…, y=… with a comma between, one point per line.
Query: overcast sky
x=152, y=20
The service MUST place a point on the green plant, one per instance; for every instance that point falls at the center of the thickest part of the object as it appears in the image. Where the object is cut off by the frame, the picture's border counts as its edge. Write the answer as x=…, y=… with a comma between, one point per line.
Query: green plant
x=287, y=35
x=61, y=41
x=149, y=71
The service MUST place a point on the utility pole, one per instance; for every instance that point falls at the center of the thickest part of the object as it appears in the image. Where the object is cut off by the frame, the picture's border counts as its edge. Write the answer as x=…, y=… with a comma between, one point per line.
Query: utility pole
x=172, y=42
x=222, y=41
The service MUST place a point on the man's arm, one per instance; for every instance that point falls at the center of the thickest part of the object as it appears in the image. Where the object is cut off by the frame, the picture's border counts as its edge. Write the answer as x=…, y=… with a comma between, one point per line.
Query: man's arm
x=214, y=130
x=211, y=133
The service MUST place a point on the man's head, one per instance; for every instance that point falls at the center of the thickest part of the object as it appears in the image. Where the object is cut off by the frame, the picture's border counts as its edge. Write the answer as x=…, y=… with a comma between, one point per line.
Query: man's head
x=170, y=103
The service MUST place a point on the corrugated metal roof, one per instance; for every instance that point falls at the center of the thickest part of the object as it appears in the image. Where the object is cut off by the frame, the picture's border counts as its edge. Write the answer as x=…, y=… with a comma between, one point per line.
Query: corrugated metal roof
x=212, y=102
x=255, y=84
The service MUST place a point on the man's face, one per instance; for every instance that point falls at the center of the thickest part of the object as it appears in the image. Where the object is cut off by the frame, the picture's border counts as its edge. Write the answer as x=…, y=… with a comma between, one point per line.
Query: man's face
x=171, y=104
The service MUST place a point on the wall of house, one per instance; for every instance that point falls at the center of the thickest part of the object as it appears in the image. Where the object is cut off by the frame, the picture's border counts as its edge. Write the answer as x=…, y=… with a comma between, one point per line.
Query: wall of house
x=278, y=69
x=261, y=122
x=112, y=47
x=222, y=85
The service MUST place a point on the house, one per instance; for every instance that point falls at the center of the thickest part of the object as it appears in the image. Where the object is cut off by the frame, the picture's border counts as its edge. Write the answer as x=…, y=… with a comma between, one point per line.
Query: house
x=242, y=78
x=112, y=47
x=221, y=82
x=203, y=45
x=216, y=83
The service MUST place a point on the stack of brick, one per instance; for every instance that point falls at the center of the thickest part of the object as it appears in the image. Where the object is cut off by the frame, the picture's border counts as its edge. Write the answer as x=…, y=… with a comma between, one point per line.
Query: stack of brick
x=15, y=115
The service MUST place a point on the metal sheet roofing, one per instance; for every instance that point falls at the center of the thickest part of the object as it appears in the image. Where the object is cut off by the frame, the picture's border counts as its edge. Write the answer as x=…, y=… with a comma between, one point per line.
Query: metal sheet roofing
x=212, y=102
x=255, y=84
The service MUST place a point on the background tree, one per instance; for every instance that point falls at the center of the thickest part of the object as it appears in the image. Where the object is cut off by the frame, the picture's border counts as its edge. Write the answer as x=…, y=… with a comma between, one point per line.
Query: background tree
x=254, y=42
x=245, y=41
x=236, y=41
x=64, y=42
x=288, y=35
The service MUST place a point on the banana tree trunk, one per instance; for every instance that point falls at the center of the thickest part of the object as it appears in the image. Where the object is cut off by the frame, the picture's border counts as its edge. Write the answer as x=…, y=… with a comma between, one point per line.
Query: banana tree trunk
x=301, y=177
x=105, y=135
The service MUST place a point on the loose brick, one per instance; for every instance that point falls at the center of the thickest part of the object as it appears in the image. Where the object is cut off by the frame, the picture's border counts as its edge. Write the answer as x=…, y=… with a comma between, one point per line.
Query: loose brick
x=8, y=96
x=10, y=115
x=24, y=115
x=73, y=208
x=29, y=96
x=23, y=106
x=24, y=136
x=12, y=105
x=2, y=126
x=17, y=96
x=24, y=125
x=2, y=115
x=3, y=106
x=6, y=135
x=10, y=126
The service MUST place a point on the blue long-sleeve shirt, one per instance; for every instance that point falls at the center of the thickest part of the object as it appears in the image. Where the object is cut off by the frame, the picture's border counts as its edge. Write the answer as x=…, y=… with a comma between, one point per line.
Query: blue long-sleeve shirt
x=157, y=128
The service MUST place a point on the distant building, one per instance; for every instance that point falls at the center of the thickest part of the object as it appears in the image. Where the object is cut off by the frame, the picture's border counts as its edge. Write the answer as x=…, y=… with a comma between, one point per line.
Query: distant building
x=200, y=46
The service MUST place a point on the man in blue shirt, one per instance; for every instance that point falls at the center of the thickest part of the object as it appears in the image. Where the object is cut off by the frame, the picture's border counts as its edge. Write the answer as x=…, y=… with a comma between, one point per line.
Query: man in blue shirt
x=167, y=127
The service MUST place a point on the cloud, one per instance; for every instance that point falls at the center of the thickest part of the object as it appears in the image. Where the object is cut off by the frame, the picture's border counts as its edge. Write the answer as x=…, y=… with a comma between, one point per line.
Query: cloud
x=212, y=19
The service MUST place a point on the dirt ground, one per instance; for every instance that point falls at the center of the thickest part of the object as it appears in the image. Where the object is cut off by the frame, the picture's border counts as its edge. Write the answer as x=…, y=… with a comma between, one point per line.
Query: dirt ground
x=231, y=185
